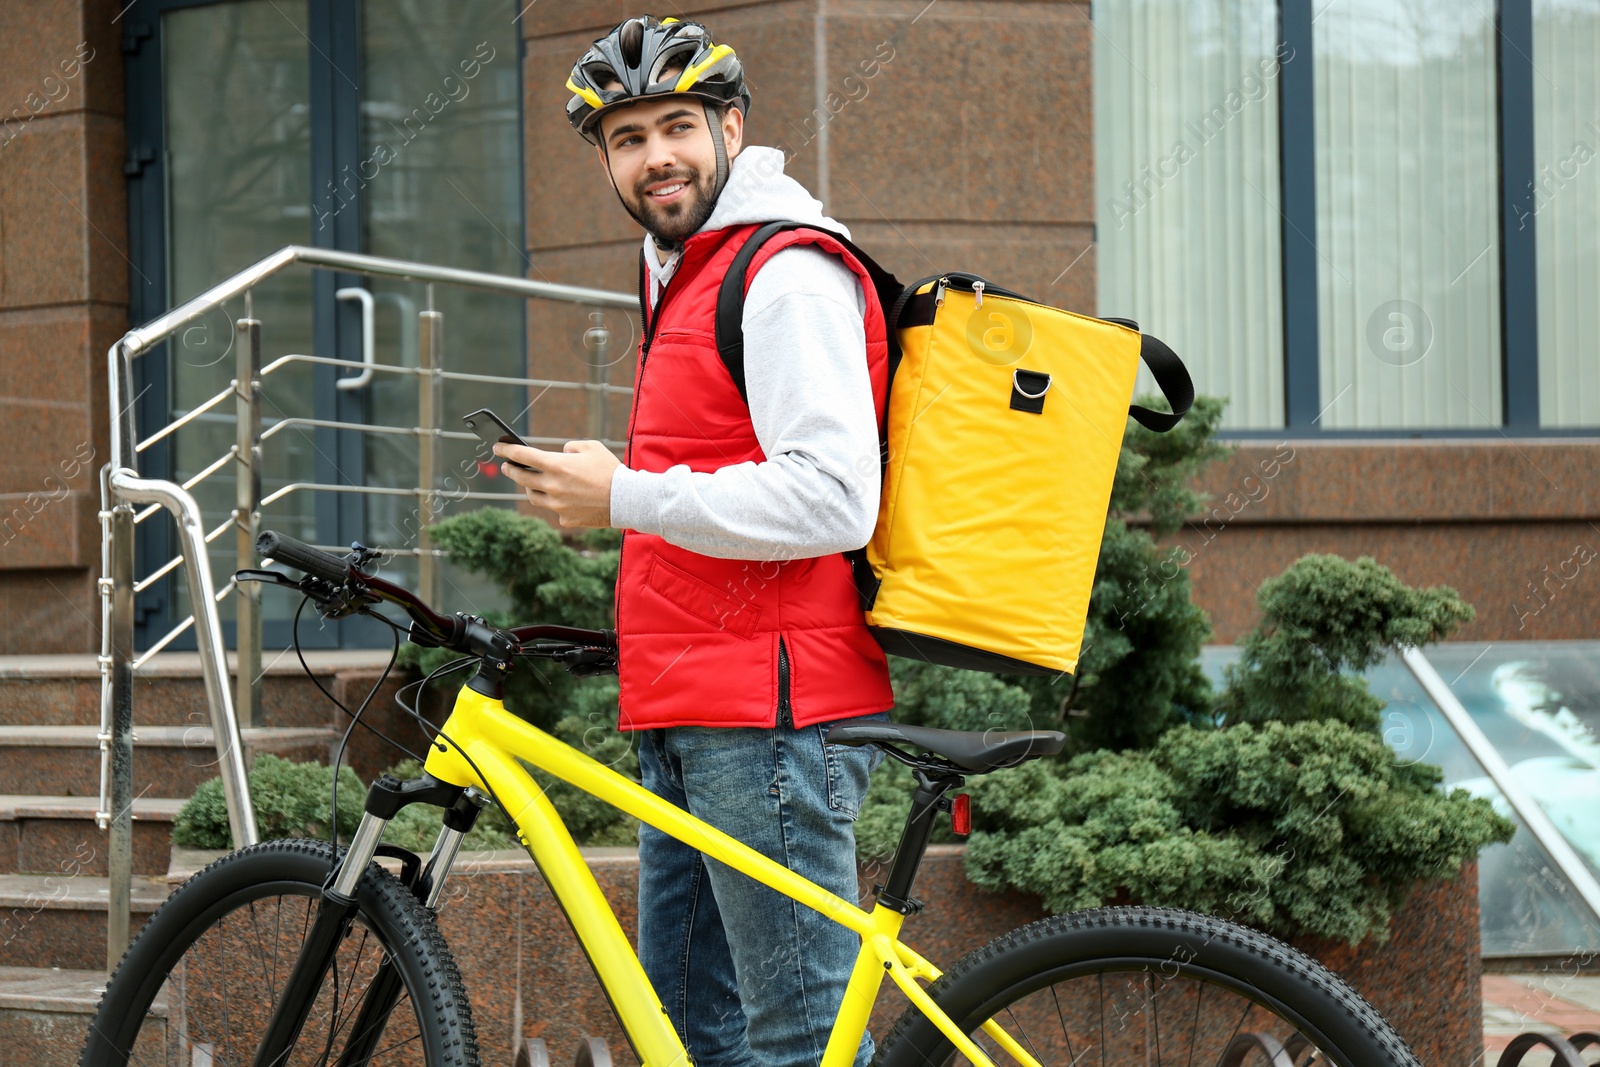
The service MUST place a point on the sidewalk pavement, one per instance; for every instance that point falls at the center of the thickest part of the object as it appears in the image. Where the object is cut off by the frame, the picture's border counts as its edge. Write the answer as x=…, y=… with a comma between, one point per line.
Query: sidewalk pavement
x=1551, y=1003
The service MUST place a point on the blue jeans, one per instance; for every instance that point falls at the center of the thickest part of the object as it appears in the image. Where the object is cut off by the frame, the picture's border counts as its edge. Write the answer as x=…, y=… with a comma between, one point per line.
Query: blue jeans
x=749, y=977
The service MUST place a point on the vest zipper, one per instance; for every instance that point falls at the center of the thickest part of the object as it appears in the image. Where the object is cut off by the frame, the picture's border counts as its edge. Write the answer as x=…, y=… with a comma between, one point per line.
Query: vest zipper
x=650, y=322
x=785, y=713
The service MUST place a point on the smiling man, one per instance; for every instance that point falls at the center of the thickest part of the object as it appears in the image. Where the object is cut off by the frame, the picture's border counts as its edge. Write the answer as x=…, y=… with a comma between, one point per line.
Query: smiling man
x=741, y=638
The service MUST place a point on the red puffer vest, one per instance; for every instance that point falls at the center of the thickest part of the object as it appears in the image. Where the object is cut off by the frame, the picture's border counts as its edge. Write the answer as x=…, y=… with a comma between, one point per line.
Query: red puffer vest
x=705, y=641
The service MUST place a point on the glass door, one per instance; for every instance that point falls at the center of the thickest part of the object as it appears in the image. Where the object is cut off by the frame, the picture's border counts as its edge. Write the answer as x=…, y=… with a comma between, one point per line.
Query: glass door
x=441, y=182
x=390, y=127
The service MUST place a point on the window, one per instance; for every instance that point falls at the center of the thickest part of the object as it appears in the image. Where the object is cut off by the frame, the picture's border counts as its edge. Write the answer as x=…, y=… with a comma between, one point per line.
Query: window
x=1407, y=230
x=1391, y=231
x=1186, y=172
x=1564, y=205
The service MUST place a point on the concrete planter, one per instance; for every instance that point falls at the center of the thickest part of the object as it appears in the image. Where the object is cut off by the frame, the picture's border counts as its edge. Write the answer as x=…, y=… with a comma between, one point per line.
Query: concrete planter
x=528, y=977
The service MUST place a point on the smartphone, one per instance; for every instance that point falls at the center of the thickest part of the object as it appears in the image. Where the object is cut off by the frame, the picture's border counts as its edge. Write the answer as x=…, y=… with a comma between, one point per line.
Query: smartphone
x=492, y=429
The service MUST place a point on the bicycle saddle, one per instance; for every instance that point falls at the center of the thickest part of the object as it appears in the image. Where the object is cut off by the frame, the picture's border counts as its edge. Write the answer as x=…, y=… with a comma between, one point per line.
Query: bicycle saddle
x=973, y=751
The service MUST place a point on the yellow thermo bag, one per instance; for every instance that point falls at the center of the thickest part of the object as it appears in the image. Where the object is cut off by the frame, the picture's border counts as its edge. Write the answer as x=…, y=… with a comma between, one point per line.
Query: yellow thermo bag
x=1004, y=423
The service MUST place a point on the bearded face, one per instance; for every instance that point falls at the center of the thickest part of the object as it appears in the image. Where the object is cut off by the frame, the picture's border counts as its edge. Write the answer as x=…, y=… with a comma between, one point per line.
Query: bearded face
x=662, y=160
x=672, y=204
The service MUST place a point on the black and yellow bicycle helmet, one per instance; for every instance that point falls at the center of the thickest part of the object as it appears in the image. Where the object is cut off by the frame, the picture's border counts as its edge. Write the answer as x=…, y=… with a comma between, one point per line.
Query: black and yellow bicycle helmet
x=631, y=61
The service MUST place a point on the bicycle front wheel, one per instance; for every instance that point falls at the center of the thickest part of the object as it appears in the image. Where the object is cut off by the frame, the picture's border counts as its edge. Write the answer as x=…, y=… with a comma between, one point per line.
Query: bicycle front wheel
x=200, y=982
x=1148, y=986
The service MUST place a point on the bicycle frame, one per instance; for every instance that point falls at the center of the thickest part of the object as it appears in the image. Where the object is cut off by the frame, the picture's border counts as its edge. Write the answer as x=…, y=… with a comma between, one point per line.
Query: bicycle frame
x=480, y=732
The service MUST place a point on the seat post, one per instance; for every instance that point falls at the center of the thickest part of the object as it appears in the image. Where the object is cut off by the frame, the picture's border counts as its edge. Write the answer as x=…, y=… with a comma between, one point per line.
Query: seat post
x=926, y=803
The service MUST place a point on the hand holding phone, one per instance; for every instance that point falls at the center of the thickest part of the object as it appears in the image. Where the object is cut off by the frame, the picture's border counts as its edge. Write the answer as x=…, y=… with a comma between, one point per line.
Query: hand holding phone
x=492, y=429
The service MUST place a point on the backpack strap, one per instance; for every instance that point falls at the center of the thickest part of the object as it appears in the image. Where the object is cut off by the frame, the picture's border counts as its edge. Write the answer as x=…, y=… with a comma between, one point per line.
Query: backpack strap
x=730, y=299
x=730, y=345
x=1172, y=377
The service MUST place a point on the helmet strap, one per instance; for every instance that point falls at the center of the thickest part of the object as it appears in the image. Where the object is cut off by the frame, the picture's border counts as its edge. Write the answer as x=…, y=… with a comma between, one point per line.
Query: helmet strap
x=722, y=149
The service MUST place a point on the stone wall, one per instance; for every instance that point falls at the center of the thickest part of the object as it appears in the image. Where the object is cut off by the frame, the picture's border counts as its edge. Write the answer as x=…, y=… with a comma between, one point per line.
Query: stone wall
x=528, y=977
x=63, y=302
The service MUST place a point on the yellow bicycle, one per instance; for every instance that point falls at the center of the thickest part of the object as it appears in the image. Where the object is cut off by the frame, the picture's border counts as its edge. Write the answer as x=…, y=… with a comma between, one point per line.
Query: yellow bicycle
x=296, y=951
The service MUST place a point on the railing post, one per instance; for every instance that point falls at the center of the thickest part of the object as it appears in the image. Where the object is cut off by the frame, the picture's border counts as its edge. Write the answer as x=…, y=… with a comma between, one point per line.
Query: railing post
x=597, y=339
x=117, y=729
x=247, y=520
x=430, y=403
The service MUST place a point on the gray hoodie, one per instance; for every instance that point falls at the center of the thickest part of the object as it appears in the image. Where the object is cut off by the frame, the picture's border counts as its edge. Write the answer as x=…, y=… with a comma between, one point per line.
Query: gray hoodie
x=810, y=399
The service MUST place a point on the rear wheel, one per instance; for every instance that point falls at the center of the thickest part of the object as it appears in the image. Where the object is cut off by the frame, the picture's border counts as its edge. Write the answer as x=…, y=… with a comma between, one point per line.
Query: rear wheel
x=200, y=982
x=1152, y=987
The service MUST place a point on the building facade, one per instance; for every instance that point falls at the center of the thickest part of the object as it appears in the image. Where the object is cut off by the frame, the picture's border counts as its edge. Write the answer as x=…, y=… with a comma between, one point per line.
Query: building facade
x=1372, y=228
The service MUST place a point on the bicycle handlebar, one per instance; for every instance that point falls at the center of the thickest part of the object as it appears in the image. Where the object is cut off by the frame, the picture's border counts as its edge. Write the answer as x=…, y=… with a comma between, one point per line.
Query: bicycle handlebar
x=303, y=557
x=354, y=590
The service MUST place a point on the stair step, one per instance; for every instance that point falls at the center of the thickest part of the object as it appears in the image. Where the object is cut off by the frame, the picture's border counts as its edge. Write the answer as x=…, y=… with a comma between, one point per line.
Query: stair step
x=44, y=1012
x=65, y=690
x=65, y=760
x=49, y=835
x=60, y=919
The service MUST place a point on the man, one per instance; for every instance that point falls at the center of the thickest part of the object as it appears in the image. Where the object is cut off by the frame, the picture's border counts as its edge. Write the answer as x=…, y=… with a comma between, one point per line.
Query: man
x=741, y=638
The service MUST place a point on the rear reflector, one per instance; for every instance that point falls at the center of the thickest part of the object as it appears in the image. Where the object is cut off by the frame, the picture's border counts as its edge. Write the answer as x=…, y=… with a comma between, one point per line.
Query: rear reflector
x=961, y=814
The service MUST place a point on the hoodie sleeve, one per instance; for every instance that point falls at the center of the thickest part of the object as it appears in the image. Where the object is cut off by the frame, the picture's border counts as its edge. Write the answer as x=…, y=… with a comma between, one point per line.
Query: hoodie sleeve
x=811, y=409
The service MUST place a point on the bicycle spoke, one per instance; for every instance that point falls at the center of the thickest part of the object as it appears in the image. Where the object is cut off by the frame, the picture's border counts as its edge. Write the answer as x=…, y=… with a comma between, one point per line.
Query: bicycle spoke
x=1242, y=1015
x=1142, y=1019
x=277, y=935
x=1150, y=983
x=336, y=1022
x=1023, y=1031
x=226, y=1025
x=1194, y=1034
x=397, y=1044
x=261, y=955
x=1065, y=1032
x=1102, y=1020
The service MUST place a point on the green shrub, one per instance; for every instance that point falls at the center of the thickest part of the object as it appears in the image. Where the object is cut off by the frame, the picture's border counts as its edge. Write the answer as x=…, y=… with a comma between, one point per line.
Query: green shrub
x=292, y=800
x=1322, y=619
x=1309, y=827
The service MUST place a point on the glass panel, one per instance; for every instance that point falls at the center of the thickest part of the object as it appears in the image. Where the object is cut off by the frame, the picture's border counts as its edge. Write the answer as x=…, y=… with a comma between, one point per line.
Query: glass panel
x=1539, y=703
x=1566, y=202
x=1407, y=230
x=238, y=147
x=441, y=181
x=1527, y=906
x=1186, y=174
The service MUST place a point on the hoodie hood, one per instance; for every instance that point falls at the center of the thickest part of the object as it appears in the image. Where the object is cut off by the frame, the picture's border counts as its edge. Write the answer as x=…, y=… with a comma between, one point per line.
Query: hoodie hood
x=757, y=191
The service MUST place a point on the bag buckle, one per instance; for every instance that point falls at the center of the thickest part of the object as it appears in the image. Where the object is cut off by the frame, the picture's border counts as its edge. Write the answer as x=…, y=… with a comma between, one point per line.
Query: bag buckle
x=1027, y=390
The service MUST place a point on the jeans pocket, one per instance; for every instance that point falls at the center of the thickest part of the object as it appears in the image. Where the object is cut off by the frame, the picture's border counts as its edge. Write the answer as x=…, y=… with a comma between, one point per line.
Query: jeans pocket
x=849, y=768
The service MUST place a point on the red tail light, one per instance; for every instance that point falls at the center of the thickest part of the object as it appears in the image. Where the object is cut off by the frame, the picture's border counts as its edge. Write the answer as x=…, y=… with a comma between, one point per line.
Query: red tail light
x=961, y=814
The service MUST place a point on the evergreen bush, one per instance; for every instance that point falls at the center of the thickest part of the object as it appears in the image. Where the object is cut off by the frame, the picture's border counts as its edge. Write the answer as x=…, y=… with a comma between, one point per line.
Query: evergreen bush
x=292, y=800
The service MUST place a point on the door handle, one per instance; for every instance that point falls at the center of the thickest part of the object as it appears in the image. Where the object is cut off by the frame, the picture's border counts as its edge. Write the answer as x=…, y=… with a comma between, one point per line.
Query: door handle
x=362, y=380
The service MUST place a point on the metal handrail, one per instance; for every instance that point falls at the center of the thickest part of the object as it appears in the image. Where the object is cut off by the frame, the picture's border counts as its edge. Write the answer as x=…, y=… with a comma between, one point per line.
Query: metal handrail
x=122, y=488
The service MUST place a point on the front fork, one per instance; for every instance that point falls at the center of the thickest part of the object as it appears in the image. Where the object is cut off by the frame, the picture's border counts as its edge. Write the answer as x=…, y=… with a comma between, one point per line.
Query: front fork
x=337, y=909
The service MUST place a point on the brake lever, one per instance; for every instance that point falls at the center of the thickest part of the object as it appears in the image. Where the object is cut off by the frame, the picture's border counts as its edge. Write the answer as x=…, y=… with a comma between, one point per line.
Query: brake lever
x=583, y=662
x=333, y=601
x=266, y=577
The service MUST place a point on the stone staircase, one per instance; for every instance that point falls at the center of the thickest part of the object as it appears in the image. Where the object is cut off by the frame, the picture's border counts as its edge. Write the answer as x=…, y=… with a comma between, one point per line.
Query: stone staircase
x=53, y=879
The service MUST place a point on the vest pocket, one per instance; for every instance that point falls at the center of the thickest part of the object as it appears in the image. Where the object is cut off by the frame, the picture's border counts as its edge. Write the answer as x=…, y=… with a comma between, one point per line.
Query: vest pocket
x=701, y=599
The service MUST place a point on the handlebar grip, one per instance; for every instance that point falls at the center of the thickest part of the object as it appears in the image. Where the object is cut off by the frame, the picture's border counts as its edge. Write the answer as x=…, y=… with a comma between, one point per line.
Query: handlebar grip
x=303, y=557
